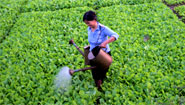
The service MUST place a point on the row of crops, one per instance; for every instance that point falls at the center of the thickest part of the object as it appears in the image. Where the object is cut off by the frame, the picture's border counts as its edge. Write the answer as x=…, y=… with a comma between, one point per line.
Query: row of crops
x=7, y=19
x=174, y=2
x=181, y=11
x=10, y=9
x=178, y=6
x=43, y=5
x=37, y=47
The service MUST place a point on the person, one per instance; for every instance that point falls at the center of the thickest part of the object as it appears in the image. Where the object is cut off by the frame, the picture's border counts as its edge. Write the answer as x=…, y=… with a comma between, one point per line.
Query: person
x=98, y=36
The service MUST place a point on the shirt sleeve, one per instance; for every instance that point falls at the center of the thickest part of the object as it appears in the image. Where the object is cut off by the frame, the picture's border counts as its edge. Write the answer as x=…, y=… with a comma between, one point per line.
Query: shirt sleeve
x=110, y=33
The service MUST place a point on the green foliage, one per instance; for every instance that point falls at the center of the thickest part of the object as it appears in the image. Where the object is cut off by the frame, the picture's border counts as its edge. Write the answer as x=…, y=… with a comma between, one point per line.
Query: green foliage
x=33, y=53
x=174, y=2
x=9, y=11
x=14, y=4
x=181, y=11
x=143, y=73
x=7, y=18
x=43, y=5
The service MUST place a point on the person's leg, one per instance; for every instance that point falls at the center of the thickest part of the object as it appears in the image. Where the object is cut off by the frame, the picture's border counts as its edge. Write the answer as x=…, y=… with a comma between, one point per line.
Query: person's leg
x=99, y=75
x=97, y=78
x=104, y=72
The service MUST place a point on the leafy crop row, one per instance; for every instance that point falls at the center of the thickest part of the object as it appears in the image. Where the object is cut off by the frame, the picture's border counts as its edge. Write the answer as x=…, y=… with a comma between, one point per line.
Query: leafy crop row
x=149, y=72
x=14, y=4
x=7, y=18
x=34, y=52
x=9, y=10
x=181, y=11
x=174, y=2
x=38, y=5
x=44, y=5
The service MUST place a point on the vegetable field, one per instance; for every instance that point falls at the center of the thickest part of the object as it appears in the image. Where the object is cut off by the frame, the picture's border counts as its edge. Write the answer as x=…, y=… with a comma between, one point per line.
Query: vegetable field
x=174, y=2
x=34, y=46
x=181, y=11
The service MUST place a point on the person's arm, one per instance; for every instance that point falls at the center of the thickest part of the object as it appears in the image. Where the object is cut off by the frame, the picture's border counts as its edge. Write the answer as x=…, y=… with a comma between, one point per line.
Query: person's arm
x=111, y=39
x=113, y=36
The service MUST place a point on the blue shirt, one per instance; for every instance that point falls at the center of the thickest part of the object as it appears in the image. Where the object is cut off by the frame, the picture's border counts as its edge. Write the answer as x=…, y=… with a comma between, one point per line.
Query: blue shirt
x=96, y=38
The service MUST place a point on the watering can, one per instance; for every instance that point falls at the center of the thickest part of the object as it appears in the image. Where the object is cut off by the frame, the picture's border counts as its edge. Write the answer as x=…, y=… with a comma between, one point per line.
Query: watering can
x=97, y=57
x=83, y=69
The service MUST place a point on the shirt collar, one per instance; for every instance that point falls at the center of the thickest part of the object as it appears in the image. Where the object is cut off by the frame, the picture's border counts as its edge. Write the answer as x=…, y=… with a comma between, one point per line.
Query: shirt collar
x=98, y=27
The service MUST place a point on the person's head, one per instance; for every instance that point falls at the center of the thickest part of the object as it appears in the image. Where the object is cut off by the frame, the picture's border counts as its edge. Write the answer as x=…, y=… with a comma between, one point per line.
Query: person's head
x=90, y=18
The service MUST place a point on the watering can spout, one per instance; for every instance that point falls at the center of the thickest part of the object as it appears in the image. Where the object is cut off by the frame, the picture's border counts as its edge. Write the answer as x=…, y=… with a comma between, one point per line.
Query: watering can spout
x=71, y=72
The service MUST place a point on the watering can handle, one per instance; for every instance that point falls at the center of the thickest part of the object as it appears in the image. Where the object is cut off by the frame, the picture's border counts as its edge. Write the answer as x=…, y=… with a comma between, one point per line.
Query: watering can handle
x=72, y=42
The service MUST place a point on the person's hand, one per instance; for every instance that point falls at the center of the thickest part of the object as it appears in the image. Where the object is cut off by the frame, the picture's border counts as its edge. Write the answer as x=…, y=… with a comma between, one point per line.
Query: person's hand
x=103, y=45
x=111, y=39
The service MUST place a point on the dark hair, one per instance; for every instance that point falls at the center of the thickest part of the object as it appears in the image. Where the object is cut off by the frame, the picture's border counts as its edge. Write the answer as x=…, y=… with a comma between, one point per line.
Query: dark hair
x=89, y=16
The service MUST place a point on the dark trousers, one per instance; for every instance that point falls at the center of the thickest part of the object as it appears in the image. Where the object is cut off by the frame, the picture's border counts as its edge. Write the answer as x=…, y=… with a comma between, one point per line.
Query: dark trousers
x=99, y=74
